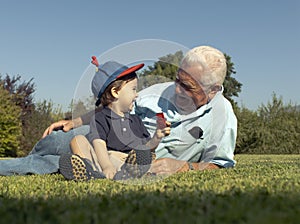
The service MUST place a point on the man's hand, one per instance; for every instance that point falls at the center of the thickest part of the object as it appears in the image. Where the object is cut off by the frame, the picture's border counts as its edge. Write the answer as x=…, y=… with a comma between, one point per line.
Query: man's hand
x=65, y=125
x=110, y=172
x=166, y=166
x=171, y=166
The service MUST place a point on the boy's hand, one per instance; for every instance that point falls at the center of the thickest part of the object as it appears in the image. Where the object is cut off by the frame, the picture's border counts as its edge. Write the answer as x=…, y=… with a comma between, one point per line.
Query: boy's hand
x=110, y=172
x=160, y=133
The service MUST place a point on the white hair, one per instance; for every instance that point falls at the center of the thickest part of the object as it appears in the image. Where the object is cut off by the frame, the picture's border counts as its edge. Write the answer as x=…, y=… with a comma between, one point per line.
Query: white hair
x=212, y=61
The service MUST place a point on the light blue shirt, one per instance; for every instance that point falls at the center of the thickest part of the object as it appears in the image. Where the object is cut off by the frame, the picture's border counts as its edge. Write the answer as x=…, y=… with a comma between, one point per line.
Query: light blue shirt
x=216, y=119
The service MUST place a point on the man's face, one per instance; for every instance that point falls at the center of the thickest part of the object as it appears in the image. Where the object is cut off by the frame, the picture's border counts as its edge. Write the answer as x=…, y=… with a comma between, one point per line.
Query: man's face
x=189, y=93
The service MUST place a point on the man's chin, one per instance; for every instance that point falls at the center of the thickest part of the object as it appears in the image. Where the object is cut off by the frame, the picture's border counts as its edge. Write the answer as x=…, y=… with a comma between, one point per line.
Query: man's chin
x=185, y=105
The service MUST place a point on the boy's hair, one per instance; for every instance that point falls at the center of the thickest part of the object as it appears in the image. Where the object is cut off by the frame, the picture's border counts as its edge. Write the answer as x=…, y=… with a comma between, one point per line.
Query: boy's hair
x=107, y=97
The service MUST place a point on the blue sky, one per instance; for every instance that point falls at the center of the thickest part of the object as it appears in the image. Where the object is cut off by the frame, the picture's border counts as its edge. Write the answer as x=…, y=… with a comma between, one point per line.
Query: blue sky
x=52, y=41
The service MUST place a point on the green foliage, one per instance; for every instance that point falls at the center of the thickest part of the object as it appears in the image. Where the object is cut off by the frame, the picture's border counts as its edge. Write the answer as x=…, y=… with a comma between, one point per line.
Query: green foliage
x=37, y=121
x=166, y=66
x=21, y=93
x=232, y=87
x=10, y=125
x=260, y=189
x=164, y=70
x=273, y=129
x=81, y=106
x=247, y=130
x=33, y=118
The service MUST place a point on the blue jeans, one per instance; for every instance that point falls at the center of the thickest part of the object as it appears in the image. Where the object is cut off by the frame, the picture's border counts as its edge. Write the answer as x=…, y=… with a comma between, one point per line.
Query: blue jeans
x=43, y=159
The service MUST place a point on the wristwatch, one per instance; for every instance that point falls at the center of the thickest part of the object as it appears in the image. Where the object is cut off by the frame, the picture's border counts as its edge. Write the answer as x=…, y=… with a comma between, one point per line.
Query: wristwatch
x=191, y=167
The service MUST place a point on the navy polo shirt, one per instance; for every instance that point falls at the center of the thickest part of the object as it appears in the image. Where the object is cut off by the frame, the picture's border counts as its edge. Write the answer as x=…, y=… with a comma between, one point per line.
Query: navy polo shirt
x=120, y=133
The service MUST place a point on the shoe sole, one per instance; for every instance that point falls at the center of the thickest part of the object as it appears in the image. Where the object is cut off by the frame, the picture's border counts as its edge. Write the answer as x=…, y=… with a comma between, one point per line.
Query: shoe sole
x=72, y=167
x=136, y=165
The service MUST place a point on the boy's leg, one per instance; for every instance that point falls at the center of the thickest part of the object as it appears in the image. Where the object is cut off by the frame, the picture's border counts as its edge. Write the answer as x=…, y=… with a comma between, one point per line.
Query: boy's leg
x=74, y=167
x=82, y=147
x=117, y=158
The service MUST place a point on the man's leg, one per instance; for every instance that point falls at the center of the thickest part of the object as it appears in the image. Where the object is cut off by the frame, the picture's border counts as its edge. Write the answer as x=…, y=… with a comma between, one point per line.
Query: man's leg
x=43, y=158
x=31, y=164
x=58, y=142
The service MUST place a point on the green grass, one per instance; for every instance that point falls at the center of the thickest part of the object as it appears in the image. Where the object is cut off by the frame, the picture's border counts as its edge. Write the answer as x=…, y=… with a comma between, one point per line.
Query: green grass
x=260, y=189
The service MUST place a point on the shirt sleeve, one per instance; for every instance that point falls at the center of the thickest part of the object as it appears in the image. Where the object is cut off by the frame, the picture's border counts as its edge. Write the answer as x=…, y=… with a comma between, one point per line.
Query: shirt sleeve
x=223, y=133
x=225, y=153
x=141, y=130
x=98, y=128
x=86, y=118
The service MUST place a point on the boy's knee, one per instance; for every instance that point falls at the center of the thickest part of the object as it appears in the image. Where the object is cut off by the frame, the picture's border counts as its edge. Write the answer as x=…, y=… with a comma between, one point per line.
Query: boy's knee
x=78, y=138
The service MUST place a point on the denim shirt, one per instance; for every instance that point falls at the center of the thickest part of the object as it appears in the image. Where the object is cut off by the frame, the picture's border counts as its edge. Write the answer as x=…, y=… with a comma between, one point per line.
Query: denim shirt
x=207, y=134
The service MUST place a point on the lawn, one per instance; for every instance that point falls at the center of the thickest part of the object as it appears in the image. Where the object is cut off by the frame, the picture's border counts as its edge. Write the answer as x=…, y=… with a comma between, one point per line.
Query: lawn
x=260, y=189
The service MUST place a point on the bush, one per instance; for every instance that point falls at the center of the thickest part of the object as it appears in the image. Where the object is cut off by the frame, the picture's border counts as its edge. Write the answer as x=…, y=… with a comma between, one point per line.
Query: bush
x=37, y=121
x=273, y=129
x=10, y=125
x=247, y=138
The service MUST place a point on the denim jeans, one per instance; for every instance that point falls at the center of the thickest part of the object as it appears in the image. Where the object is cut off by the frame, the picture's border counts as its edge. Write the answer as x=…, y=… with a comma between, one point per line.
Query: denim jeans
x=43, y=159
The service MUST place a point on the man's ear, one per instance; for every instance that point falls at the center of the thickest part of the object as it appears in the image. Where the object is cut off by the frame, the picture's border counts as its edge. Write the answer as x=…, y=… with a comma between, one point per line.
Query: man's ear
x=114, y=92
x=214, y=90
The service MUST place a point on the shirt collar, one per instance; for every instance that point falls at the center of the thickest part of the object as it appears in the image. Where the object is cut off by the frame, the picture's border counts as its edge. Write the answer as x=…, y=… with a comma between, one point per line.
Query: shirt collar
x=111, y=114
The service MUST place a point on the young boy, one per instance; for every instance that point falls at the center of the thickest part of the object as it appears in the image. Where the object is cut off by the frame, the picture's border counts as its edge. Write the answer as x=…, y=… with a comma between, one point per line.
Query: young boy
x=114, y=132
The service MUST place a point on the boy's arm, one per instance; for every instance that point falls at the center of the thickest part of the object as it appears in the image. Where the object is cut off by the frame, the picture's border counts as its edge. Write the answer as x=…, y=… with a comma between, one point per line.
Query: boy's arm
x=102, y=155
x=153, y=142
x=158, y=135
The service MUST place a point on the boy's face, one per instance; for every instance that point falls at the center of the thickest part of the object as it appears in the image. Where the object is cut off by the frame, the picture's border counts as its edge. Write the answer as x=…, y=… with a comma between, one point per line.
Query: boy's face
x=127, y=95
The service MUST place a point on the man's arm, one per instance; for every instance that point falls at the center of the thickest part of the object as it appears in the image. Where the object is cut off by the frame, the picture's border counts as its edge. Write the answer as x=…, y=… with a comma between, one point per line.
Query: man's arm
x=171, y=166
x=67, y=125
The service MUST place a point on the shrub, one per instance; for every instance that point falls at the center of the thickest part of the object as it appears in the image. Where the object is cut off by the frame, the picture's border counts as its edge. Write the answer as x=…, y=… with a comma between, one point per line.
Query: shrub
x=37, y=121
x=10, y=125
x=273, y=129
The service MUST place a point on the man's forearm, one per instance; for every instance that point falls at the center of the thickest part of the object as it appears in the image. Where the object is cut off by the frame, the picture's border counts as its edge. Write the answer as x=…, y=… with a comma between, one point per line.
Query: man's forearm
x=77, y=122
x=197, y=166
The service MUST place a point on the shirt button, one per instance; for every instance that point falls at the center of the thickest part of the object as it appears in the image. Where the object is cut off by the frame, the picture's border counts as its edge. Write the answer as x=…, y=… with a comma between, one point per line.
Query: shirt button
x=122, y=119
x=124, y=129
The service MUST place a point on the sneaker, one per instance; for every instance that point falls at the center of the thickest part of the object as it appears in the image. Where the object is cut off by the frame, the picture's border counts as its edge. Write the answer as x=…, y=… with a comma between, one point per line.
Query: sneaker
x=136, y=165
x=73, y=167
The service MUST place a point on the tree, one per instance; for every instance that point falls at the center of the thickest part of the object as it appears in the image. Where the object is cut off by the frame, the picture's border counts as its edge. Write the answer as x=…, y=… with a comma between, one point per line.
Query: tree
x=10, y=125
x=231, y=86
x=273, y=129
x=21, y=93
x=22, y=96
x=33, y=117
x=38, y=120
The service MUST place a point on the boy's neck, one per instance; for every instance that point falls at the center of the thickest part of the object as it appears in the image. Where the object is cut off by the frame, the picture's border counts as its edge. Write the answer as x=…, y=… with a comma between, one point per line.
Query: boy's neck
x=116, y=109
